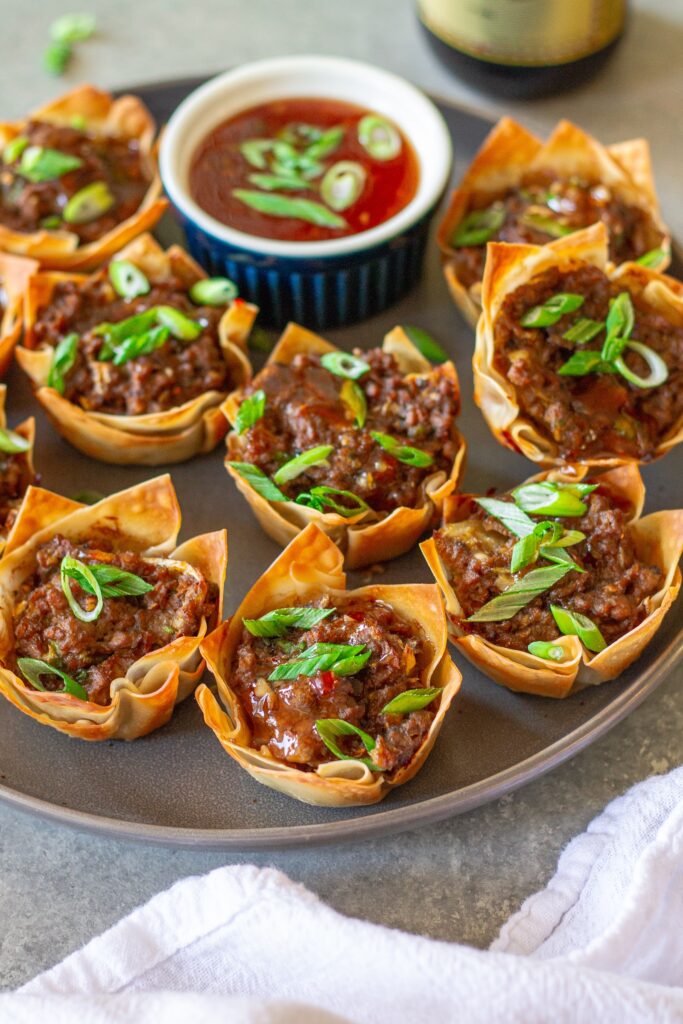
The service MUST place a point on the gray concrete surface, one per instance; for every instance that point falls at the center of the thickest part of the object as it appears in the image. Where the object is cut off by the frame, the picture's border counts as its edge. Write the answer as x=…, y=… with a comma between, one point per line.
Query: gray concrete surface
x=458, y=880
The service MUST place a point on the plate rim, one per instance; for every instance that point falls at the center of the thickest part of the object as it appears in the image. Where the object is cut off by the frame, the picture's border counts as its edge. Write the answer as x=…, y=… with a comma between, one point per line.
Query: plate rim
x=384, y=822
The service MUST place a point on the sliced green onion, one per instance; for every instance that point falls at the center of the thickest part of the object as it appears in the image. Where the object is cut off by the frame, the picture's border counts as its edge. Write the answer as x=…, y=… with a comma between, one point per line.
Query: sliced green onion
x=250, y=411
x=546, y=650
x=111, y=580
x=87, y=497
x=353, y=396
x=403, y=452
x=342, y=185
x=343, y=364
x=573, y=624
x=548, y=225
x=51, y=223
x=56, y=57
x=272, y=182
x=560, y=556
x=581, y=363
x=254, y=152
x=73, y=568
x=553, y=499
x=411, y=700
x=583, y=330
x=550, y=311
x=329, y=728
x=78, y=122
x=506, y=605
x=63, y=359
x=342, y=659
x=479, y=226
x=323, y=497
x=285, y=206
x=326, y=143
x=33, y=668
x=659, y=371
x=213, y=291
x=140, y=345
x=14, y=148
x=527, y=549
x=426, y=344
x=280, y=620
x=301, y=463
x=73, y=28
x=513, y=518
x=181, y=327
x=652, y=258
x=88, y=203
x=128, y=280
x=13, y=443
x=124, y=329
x=39, y=163
x=619, y=323
x=261, y=340
x=379, y=137
x=258, y=480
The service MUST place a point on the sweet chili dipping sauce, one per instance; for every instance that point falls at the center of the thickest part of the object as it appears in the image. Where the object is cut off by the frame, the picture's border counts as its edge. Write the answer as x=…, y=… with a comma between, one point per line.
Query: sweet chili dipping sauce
x=304, y=170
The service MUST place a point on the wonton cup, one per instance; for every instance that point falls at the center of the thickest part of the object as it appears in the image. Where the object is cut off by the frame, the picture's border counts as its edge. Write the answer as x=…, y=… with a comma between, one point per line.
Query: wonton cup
x=369, y=536
x=126, y=117
x=310, y=567
x=14, y=274
x=151, y=439
x=144, y=519
x=658, y=540
x=27, y=429
x=508, y=267
x=510, y=155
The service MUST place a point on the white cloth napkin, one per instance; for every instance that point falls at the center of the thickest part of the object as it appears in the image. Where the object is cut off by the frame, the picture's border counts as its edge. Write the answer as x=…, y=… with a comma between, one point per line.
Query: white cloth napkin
x=603, y=942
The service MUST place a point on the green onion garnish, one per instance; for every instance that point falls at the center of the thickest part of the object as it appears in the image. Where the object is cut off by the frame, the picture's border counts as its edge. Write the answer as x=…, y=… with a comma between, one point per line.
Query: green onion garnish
x=112, y=580
x=325, y=144
x=213, y=291
x=583, y=330
x=280, y=620
x=140, y=345
x=342, y=659
x=73, y=28
x=425, y=344
x=403, y=452
x=659, y=371
x=323, y=497
x=379, y=137
x=87, y=497
x=619, y=324
x=329, y=728
x=63, y=359
x=581, y=363
x=353, y=396
x=652, y=258
x=39, y=164
x=479, y=226
x=273, y=182
x=13, y=443
x=411, y=700
x=512, y=517
x=342, y=185
x=14, y=148
x=181, y=327
x=128, y=280
x=548, y=225
x=527, y=549
x=88, y=203
x=546, y=650
x=33, y=668
x=301, y=463
x=343, y=364
x=258, y=480
x=250, y=411
x=550, y=311
x=275, y=205
x=553, y=499
x=72, y=568
x=504, y=606
x=254, y=152
x=573, y=624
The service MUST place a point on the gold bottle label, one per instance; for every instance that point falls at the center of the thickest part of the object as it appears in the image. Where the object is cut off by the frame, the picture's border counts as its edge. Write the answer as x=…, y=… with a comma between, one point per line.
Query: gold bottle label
x=525, y=32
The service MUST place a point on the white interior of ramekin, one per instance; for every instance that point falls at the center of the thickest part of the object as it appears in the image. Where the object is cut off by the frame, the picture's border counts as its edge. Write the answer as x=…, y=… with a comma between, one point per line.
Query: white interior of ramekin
x=326, y=77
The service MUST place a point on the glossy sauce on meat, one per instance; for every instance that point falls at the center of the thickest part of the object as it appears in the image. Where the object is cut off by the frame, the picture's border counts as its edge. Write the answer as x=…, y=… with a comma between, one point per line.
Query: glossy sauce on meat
x=95, y=653
x=164, y=379
x=599, y=413
x=570, y=204
x=282, y=714
x=476, y=553
x=13, y=483
x=115, y=161
x=304, y=409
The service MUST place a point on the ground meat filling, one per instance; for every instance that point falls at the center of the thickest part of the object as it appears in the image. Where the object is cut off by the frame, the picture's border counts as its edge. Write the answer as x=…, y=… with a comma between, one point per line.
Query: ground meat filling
x=26, y=205
x=95, y=653
x=13, y=482
x=571, y=205
x=304, y=409
x=476, y=554
x=599, y=413
x=282, y=714
x=164, y=379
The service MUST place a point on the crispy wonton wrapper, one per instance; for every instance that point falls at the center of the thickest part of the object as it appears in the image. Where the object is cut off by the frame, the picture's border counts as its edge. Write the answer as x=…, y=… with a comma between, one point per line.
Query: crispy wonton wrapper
x=508, y=267
x=511, y=155
x=14, y=274
x=26, y=429
x=126, y=117
x=310, y=567
x=151, y=439
x=367, y=537
x=144, y=519
x=658, y=540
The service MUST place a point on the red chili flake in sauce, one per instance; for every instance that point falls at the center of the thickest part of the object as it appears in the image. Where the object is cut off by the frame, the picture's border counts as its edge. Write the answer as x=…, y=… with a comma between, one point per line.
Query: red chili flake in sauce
x=326, y=682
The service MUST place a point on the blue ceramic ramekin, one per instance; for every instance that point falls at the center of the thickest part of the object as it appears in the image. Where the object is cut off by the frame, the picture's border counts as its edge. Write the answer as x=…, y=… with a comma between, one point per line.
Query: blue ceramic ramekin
x=319, y=284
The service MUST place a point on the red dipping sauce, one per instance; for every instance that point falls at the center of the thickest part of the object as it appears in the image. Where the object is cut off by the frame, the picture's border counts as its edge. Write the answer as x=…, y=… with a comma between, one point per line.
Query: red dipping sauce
x=281, y=152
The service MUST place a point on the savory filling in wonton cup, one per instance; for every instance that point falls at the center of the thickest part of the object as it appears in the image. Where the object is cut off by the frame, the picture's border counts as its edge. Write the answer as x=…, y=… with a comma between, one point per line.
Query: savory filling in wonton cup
x=101, y=615
x=79, y=179
x=16, y=466
x=576, y=361
x=14, y=274
x=364, y=444
x=132, y=363
x=332, y=696
x=559, y=581
x=519, y=189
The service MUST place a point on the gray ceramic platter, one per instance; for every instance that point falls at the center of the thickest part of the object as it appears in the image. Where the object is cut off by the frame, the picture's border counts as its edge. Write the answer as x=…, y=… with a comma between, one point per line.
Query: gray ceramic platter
x=177, y=786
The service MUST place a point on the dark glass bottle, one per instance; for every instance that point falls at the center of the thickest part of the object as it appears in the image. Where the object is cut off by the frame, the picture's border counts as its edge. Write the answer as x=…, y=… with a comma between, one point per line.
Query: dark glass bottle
x=523, y=48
